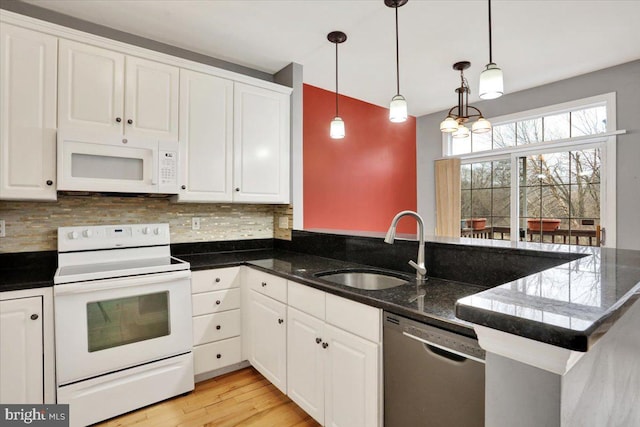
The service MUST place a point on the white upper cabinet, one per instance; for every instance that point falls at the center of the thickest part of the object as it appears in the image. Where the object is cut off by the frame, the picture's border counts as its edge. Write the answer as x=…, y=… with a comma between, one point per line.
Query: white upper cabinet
x=107, y=92
x=27, y=114
x=261, y=145
x=206, y=138
x=151, y=99
x=91, y=88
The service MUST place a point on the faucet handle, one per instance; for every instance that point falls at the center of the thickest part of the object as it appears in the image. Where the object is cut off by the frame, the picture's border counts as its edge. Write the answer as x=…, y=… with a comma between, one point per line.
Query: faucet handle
x=421, y=269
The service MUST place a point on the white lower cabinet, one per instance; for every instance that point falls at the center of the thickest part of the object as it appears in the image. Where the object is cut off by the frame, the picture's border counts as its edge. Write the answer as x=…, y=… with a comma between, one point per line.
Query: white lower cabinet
x=267, y=350
x=333, y=374
x=27, y=374
x=217, y=323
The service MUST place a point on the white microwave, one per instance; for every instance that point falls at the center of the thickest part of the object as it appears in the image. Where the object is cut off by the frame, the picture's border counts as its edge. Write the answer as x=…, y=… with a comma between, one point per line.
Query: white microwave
x=94, y=162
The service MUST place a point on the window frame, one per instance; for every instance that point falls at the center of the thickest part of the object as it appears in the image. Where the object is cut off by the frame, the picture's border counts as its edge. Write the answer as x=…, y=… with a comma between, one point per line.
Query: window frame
x=605, y=141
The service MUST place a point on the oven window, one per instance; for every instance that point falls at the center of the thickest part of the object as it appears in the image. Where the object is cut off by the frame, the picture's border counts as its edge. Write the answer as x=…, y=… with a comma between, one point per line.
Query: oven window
x=120, y=321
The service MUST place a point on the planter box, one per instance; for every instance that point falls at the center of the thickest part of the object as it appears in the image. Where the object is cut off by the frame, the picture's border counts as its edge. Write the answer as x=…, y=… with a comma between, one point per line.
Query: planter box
x=477, y=223
x=547, y=224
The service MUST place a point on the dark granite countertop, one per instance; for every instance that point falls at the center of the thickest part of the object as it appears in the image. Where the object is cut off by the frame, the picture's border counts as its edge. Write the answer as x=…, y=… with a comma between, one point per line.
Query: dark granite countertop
x=557, y=294
x=440, y=296
x=571, y=305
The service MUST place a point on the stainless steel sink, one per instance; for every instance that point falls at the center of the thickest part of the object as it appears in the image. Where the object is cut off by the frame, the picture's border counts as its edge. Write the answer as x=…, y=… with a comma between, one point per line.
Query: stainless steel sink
x=371, y=280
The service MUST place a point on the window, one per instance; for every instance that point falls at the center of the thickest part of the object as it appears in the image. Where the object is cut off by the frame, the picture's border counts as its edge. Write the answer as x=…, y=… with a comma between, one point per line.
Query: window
x=541, y=175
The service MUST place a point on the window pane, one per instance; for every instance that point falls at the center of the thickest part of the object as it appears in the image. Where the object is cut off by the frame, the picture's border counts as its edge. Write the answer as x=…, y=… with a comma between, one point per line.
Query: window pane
x=465, y=176
x=589, y=121
x=529, y=131
x=460, y=145
x=481, y=175
x=504, y=135
x=465, y=200
x=585, y=201
x=481, y=203
x=502, y=173
x=481, y=141
x=501, y=202
x=555, y=168
x=531, y=173
x=530, y=201
x=556, y=127
x=585, y=166
x=555, y=201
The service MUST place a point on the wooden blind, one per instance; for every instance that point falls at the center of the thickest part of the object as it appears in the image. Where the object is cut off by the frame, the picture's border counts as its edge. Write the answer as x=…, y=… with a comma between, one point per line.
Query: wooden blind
x=448, y=197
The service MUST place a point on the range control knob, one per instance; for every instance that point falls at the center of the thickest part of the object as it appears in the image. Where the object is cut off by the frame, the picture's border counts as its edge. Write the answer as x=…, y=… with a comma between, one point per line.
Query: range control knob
x=87, y=233
x=157, y=231
x=146, y=230
x=73, y=235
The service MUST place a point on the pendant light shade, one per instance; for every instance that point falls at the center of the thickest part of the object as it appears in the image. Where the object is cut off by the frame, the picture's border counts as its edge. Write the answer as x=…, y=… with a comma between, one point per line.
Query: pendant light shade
x=337, y=130
x=461, y=132
x=491, y=86
x=398, y=106
x=398, y=109
x=491, y=81
x=481, y=125
x=449, y=125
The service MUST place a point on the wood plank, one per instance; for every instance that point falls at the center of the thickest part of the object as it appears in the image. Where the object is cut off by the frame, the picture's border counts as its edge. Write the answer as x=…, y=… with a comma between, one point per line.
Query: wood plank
x=242, y=398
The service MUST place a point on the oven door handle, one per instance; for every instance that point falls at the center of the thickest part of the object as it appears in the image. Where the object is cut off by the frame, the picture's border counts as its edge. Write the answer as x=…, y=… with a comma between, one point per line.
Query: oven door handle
x=121, y=282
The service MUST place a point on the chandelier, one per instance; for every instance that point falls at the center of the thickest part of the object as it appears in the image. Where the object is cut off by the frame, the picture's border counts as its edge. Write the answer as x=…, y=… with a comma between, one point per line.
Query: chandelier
x=463, y=112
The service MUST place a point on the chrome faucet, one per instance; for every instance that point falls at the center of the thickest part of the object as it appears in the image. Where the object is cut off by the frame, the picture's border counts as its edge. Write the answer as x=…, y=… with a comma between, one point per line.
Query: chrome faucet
x=421, y=270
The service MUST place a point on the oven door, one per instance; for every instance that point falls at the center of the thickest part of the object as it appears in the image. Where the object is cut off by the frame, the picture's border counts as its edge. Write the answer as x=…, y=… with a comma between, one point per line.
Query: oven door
x=107, y=325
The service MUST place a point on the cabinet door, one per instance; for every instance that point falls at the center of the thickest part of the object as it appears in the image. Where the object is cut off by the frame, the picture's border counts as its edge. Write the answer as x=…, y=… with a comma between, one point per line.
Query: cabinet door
x=268, y=338
x=27, y=114
x=261, y=145
x=352, y=380
x=21, y=352
x=305, y=367
x=90, y=88
x=206, y=138
x=151, y=103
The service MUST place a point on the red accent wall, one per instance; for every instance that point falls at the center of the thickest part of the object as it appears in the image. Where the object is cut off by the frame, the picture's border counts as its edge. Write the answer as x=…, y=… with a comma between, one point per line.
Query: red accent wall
x=359, y=182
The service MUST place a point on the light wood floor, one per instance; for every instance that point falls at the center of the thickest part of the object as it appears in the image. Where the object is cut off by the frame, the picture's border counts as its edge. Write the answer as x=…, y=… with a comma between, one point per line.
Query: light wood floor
x=241, y=398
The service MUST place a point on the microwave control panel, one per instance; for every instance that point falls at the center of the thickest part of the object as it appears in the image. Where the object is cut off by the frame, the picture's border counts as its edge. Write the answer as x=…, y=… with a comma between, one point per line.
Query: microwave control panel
x=168, y=168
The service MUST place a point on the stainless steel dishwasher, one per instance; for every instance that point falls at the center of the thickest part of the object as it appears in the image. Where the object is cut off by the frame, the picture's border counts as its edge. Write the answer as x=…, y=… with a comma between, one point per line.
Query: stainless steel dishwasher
x=432, y=377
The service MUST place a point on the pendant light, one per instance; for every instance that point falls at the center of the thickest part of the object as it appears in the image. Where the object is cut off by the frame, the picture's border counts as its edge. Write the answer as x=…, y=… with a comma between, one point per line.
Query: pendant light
x=398, y=106
x=460, y=114
x=491, y=82
x=337, y=124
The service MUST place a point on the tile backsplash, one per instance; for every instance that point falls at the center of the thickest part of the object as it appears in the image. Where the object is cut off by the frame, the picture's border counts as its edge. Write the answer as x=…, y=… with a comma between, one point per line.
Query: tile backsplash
x=32, y=226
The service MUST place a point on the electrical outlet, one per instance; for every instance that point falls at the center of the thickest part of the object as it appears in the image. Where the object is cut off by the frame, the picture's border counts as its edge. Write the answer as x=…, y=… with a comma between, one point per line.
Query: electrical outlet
x=283, y=222
x=2, y=230
x=195, y=223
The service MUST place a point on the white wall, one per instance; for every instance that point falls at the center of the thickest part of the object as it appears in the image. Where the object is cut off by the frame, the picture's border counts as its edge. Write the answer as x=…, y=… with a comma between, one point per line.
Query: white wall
x=623, y=79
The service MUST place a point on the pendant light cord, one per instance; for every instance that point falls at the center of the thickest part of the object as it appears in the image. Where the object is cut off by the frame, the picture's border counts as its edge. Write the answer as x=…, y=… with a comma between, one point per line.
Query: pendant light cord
x=337, y=80
x=490, y=44
x=397, y=56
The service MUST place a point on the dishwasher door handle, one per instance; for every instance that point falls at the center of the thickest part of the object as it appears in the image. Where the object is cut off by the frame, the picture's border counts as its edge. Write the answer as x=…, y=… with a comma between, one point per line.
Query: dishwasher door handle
x=443, y=348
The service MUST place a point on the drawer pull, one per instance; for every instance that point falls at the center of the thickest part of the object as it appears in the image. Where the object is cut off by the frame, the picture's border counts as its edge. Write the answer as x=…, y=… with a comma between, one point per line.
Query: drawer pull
x=325, y=344
x=264, y=284
x=280, y=321
x=217, y=280
x=218, y=302
x=218, y=356
x=218, y=327
x=318, y=340
x=34, y=316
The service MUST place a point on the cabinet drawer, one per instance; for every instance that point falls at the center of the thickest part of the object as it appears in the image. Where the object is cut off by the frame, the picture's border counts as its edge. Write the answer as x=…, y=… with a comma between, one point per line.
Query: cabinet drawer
x=214, y=327
x=213, y=302
x=215, y=355
x=267, y=284
x=360, y=319
x=306, y=299
x=216, y=279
